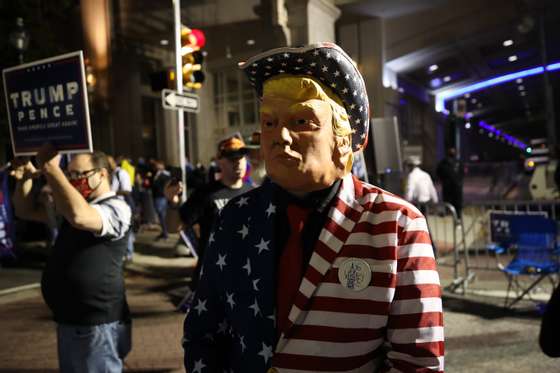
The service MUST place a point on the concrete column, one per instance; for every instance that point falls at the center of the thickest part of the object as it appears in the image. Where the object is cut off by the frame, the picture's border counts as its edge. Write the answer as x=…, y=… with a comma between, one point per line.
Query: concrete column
x=312, y=21
x=97, y=41
x=372, y=60
x=321, y=18
x=126, y=105
x=167, y=135
x=364, y=41
x=206, y=122
x=97, y=38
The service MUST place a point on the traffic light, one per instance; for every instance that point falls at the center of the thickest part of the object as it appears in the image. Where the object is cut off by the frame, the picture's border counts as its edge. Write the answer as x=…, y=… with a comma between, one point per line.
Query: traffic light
x=192, y=40
x=164, y=79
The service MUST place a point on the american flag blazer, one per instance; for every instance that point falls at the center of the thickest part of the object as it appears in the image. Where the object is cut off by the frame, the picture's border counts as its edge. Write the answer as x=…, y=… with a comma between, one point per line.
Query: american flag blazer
x=392, y=323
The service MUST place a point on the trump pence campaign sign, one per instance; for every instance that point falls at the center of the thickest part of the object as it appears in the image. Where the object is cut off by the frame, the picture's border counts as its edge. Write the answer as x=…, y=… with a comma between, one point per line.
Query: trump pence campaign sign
x=47, y=102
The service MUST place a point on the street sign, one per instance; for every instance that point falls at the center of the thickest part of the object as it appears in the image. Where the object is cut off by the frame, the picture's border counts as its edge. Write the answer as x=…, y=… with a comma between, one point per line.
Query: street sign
x=47, y=102
x=175, y=100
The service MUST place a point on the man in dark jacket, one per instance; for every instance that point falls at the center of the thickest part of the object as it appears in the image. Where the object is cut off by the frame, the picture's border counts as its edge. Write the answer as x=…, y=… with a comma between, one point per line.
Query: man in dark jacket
x=450, y=173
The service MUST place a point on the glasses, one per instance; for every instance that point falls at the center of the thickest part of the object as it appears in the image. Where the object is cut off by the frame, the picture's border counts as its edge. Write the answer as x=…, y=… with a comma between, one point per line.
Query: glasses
x=74, y=175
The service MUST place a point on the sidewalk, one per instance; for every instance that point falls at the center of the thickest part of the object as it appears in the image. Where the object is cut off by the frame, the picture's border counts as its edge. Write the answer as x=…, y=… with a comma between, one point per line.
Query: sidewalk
x=23, y=277
x=490, y=283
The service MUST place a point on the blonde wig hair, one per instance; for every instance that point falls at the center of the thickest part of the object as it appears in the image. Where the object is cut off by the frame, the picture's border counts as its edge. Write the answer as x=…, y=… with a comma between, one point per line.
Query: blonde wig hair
x=302, y=87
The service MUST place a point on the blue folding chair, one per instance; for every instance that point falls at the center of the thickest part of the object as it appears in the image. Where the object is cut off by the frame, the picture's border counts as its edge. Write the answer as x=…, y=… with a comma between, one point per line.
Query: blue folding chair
x=501, y=238
x=533, y=239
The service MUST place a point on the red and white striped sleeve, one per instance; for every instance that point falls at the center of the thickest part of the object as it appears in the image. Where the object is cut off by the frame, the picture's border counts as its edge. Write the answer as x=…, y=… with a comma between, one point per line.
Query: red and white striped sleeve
x=415, y=325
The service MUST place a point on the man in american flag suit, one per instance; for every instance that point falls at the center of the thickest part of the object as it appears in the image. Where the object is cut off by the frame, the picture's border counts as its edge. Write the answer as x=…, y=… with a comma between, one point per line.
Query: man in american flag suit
x=315, y=271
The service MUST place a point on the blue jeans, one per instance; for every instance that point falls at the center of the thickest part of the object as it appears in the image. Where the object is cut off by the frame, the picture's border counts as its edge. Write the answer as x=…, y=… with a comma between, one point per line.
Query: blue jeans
x=93, y=349
x=130, y=245
x=160, y=205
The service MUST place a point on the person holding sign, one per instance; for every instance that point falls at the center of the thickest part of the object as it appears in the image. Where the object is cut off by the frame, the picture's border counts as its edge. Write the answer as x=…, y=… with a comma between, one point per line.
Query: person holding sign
x=83, y=281
x=315, y=271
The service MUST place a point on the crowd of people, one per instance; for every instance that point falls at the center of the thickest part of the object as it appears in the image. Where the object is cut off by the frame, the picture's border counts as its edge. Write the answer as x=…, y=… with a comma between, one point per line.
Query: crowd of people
x=152, y=190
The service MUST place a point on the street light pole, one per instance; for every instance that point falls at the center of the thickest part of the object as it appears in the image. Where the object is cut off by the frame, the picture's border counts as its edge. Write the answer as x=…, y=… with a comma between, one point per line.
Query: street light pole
x=179, y=80
x=19, y=38
x=548, y=94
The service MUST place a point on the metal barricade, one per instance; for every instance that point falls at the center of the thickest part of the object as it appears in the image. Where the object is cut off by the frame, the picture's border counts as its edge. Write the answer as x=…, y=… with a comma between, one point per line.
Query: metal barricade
x=476, y=219
x=464, y=243
x=448, y=238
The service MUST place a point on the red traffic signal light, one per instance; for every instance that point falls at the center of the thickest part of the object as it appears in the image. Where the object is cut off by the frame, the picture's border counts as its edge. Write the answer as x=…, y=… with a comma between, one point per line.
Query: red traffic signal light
x=191, y=42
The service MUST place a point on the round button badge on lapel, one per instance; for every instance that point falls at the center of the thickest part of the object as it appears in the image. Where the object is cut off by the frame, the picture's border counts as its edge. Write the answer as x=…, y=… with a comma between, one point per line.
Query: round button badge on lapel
x=354, y=274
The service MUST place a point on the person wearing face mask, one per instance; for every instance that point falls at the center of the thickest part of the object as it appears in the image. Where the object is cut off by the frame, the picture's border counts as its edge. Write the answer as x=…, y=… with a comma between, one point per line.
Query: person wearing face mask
x=315, y=271
x=83, y=282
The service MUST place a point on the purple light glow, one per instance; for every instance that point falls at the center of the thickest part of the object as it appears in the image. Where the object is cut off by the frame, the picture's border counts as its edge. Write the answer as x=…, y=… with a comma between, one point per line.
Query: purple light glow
x=435, y=83
x=494, y=131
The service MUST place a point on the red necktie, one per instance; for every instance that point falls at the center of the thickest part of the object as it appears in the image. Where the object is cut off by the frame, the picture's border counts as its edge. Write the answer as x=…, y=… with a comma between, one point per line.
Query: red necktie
x=290, y=267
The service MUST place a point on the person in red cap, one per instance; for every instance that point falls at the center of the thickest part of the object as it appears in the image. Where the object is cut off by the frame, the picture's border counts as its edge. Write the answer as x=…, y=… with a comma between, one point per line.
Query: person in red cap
x=203, y=206
x=315, y=271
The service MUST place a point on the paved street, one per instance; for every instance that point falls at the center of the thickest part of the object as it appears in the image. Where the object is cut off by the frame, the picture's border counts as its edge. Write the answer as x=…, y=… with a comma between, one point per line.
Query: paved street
x=480, y=336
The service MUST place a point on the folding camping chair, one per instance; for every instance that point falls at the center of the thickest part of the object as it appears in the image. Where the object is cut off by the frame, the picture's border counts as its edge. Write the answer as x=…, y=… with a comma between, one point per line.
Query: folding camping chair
x=501, y=238
x=533, y=239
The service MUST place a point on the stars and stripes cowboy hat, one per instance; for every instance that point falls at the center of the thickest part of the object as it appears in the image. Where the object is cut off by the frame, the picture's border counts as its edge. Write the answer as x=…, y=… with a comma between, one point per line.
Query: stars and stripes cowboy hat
x=327, y=63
